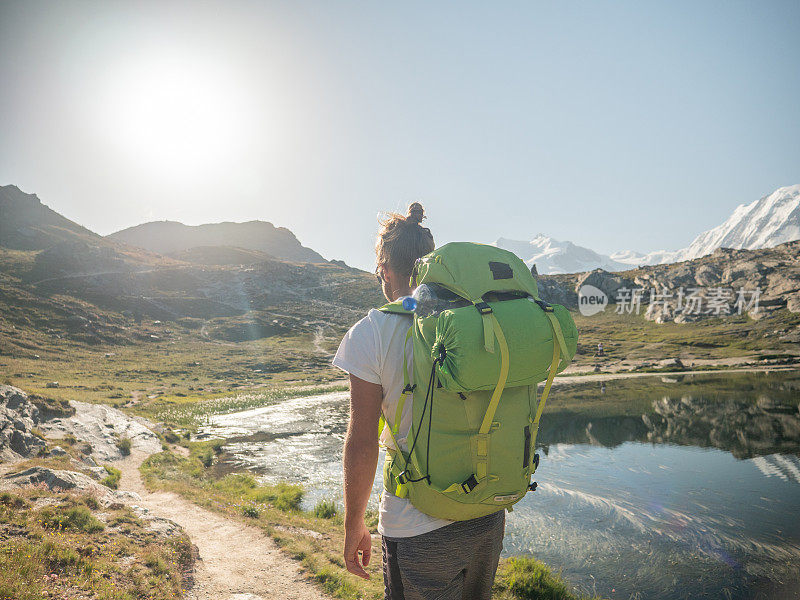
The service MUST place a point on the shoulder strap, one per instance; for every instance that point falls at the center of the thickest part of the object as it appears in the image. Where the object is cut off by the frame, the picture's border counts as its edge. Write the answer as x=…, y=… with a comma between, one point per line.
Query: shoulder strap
x=396, y=308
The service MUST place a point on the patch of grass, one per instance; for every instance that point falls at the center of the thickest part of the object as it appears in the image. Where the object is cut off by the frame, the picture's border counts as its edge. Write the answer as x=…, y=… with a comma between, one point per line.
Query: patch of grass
x=78, y=518
x=60, y=552
x=325, y=509
x=250, y=511
x=112, y=479
x=206, y=451
x=12, y=500
x=124, y=445
x=523, y=578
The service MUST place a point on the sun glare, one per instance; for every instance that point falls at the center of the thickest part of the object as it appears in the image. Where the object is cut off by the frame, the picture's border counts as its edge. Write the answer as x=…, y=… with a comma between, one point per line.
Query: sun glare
x=177, y=114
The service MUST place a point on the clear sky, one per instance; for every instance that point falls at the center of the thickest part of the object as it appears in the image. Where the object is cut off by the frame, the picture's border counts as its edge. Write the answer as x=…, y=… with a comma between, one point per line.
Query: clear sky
x=616, y=125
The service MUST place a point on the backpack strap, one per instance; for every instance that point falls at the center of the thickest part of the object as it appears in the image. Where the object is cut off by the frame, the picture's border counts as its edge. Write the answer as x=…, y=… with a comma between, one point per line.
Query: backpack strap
x=559, y=350
x=559, y=347
x=395, y=307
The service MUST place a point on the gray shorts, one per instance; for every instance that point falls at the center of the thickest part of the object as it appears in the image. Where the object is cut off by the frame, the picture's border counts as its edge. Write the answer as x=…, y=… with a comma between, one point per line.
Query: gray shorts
x=455, y=562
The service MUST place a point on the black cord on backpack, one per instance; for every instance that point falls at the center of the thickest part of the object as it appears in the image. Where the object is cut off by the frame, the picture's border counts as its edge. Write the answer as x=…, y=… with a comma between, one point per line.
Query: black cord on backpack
x=428, y=395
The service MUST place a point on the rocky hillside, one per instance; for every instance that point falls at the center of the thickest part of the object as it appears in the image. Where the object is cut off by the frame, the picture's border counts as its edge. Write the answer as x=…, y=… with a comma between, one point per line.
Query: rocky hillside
x=169, y=237
x=774, y=273
x=27, y=224
x=60, y=278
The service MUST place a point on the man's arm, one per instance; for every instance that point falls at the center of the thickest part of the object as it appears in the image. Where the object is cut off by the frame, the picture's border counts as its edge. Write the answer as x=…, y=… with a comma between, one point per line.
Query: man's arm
x=360, y=461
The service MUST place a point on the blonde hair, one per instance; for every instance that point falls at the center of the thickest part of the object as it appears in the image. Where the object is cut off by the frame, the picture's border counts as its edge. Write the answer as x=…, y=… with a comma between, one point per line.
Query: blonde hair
x=402, y=240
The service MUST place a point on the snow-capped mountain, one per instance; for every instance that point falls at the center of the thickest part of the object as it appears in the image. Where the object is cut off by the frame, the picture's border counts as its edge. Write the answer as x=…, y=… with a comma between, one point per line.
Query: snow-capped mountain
x=553, y=256
x=772, y=220
x=765, y=223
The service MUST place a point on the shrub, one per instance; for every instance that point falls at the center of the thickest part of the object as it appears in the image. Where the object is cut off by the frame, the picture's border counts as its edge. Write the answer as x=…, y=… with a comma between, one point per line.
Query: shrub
x=156, y=563
x=527, y=579
x=78, y=518
x=112, y=479
x=12, y=500
x=325, y=509
x=206, y=457
x=91, y=502
x=248, y=510
x=124, y=445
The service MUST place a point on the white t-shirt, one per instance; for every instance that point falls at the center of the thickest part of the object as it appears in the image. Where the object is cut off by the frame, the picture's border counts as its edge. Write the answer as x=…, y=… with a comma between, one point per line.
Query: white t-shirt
x=373, y=351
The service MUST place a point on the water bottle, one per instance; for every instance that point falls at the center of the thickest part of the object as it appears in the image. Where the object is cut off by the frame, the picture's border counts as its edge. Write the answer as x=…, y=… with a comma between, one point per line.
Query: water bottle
x=429, y=299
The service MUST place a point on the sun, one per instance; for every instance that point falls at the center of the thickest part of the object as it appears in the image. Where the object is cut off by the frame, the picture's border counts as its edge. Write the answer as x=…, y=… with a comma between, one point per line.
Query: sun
x=178, y=114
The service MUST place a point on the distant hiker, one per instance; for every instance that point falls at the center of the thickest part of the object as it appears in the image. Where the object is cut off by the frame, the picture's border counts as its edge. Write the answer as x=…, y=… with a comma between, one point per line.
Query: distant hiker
x=484, y=339
x=600, y=349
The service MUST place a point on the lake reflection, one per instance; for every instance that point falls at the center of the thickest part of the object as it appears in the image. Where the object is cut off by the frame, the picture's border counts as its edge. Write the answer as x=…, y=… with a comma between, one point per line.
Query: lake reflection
x=653, y=488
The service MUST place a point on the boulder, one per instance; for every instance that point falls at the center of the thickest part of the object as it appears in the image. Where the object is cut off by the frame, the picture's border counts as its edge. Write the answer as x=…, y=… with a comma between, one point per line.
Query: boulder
x=18, y=417
x=670, y=363
x=793, y=302
x=62, y=480
x=609, y=283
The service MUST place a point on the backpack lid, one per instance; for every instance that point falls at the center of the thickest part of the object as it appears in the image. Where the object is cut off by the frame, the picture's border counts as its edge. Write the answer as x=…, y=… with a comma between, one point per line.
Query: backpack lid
x=472, y=270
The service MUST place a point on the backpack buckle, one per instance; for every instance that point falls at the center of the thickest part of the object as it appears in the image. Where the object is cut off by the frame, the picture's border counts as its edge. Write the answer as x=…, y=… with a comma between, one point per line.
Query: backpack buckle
x=483, y=308
x=469, y=484
x=402, y=478
x=543, y=305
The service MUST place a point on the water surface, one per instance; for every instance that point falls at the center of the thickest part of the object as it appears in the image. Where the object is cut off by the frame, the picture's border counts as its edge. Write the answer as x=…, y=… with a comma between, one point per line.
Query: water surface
x=666, y=487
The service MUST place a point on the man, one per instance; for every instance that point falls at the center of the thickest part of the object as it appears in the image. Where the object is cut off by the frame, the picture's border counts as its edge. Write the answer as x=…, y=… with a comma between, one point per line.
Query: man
x=424, y=558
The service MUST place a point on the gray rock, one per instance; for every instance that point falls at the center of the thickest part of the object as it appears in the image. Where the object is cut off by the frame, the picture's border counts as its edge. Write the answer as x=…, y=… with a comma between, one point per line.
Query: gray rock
x=18, y=417
x=57, y=451
x=101, y=426
x=670, y=363
x=793, y=302
x=98, y=473
x=609, y=283
x=62, y=480
x=54, y=479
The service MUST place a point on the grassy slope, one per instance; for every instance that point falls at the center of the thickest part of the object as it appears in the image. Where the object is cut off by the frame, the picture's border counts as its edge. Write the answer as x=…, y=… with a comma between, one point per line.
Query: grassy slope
x=631, y=337
x=59, y=545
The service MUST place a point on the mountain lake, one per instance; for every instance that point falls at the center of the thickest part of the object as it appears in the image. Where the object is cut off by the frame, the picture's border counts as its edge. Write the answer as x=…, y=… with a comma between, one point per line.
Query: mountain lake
x=665, y=487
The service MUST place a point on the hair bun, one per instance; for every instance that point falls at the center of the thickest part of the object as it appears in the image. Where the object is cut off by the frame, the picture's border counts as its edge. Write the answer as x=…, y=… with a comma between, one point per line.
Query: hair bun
x=415, y=213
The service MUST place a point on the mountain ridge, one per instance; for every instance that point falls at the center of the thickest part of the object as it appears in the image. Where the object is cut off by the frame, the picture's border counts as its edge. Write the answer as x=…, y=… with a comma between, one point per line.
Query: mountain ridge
x=172, y=237
x=765, y=223
x=28, y=224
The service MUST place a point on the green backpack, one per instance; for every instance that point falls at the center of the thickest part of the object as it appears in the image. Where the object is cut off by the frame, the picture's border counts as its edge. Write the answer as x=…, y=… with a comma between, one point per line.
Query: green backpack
x=473, y=388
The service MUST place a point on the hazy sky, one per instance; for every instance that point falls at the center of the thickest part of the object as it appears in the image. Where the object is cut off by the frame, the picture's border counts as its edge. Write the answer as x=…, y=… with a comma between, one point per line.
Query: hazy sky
x=617, y=125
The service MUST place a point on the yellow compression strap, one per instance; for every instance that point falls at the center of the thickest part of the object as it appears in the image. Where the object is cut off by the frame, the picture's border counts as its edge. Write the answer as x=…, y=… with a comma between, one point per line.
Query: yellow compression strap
x=501, y=381
x=482, y=438
x=558, y=335
x=558, y=343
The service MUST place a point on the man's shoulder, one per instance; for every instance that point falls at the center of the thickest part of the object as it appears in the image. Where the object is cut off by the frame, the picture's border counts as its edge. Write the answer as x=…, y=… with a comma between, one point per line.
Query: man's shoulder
x=375, y=320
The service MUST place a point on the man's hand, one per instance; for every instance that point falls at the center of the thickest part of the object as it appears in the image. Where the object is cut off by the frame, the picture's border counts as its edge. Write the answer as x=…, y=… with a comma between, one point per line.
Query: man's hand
x=357, y=538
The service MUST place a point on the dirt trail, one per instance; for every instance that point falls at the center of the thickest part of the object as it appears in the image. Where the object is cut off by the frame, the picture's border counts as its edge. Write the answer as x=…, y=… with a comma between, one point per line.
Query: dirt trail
x=237, y=562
